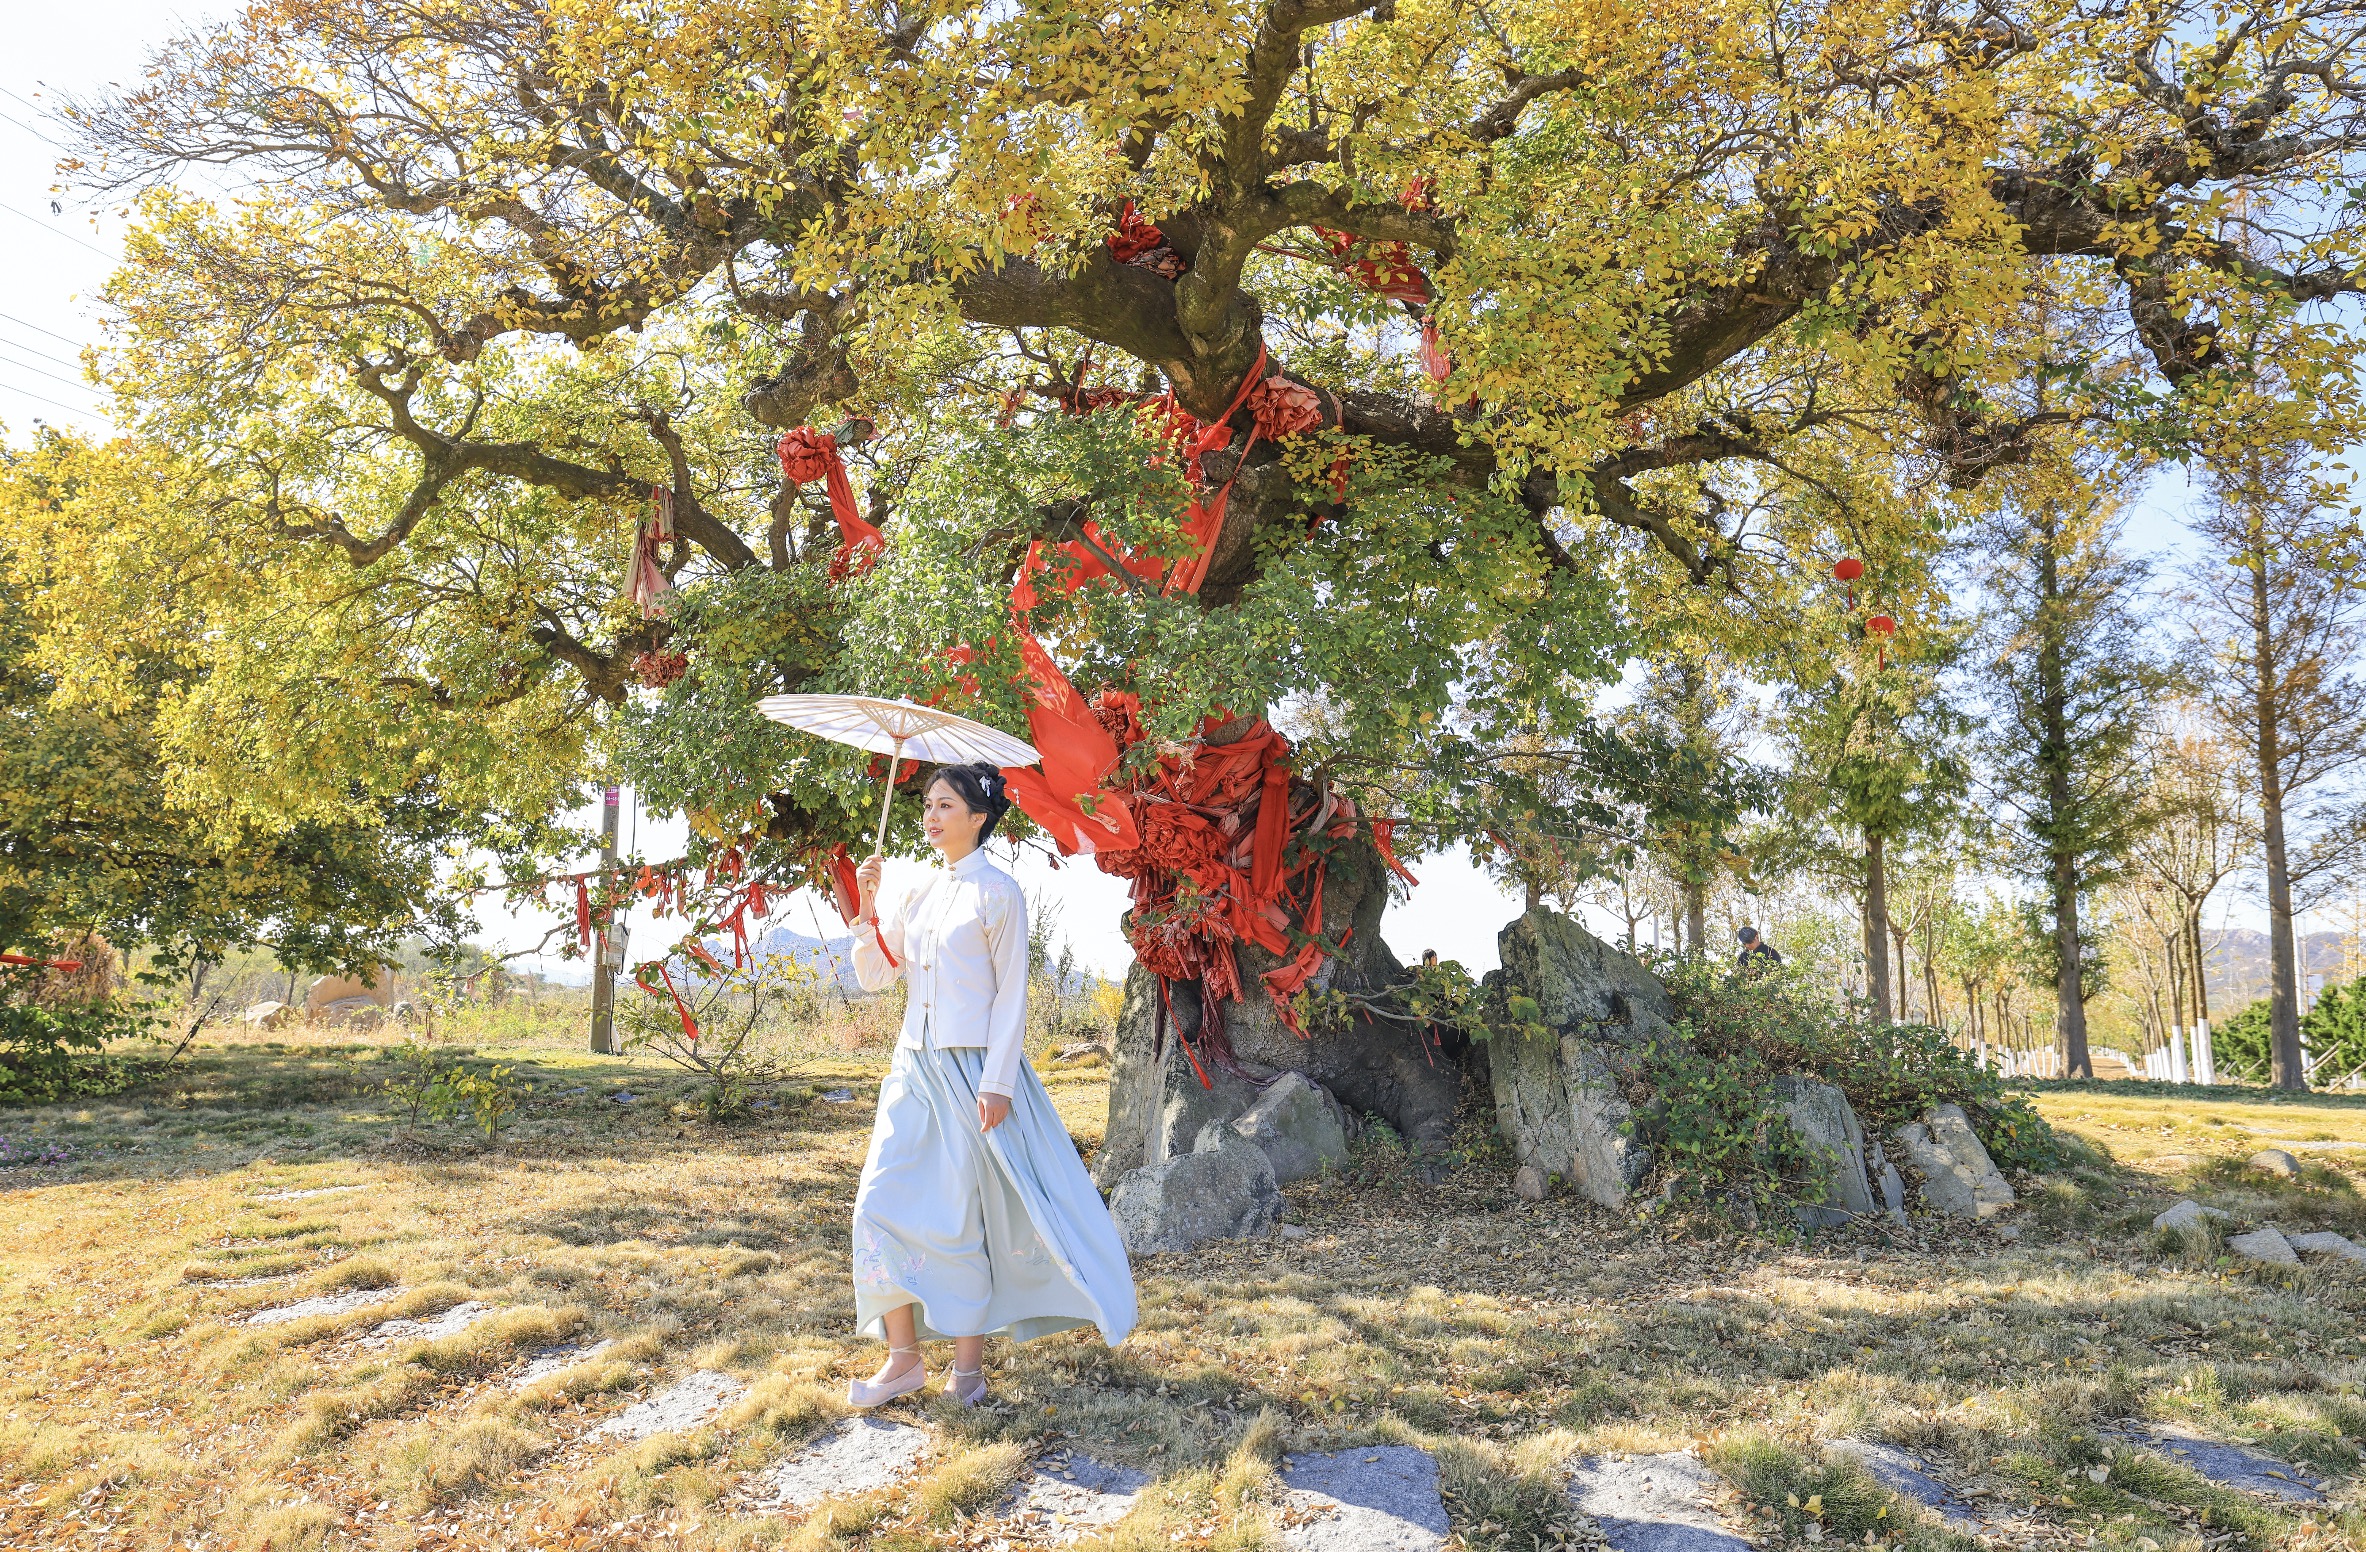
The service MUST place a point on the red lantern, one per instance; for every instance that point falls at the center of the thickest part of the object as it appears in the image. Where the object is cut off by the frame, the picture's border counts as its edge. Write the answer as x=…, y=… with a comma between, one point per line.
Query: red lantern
x=1849, y=570
x=1881, y=625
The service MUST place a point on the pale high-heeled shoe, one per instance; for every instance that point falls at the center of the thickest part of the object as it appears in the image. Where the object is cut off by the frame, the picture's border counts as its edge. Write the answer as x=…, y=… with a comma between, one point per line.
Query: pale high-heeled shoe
x=867, y=1394
x=967, y=1386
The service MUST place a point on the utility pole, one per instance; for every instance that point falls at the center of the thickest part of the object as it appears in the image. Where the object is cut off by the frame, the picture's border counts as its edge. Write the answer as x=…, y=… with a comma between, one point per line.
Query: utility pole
x=603, y=1020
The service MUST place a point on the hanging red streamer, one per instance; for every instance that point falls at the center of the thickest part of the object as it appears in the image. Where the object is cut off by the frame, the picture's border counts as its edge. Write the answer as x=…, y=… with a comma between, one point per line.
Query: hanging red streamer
x=645, y=580
x=807, y=455
x=681, y=1008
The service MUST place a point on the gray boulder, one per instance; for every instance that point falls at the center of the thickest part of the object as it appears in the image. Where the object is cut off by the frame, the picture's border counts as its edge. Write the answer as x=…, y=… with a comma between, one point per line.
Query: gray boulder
x=2264, y=1245
x=1556, y=1095
x=1827, y=1123
x=2275, y=1161
x=1224, y=1191
x=1958, y=1176
x=1298, y=1124
x=268, y=1015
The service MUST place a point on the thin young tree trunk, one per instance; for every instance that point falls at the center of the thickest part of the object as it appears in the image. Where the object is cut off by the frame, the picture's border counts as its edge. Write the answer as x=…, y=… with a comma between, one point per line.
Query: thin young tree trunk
x=1696, y=917
x=2201, y=995
x=2283, y=1017
x=1904, y=977
x=2053, y=757
x=1877, y=923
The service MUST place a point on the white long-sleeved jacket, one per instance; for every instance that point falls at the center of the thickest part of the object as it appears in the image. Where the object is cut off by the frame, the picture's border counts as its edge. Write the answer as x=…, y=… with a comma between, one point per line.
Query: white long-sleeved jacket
x=959, y=940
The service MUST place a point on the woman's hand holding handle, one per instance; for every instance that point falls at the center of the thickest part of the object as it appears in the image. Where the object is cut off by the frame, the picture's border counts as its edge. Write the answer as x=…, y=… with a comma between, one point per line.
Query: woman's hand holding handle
x=993, y=1110
x=867, y=879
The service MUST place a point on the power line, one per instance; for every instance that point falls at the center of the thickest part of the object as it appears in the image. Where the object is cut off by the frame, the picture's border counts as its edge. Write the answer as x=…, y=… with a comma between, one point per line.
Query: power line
x=30, y=130
x=8, y=387
x=43, y=354
x=36, y=328
x=52, y=376
x=68, y=236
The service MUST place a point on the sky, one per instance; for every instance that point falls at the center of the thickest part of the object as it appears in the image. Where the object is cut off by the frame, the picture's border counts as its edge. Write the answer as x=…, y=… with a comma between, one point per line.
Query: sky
x=55, y=259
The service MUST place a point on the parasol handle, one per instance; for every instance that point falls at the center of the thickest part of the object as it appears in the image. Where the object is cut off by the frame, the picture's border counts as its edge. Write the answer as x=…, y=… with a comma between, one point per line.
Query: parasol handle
x=887, y=801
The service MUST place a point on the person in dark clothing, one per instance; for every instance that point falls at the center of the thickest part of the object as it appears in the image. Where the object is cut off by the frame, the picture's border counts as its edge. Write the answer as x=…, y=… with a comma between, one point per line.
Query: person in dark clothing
x=1756, y=953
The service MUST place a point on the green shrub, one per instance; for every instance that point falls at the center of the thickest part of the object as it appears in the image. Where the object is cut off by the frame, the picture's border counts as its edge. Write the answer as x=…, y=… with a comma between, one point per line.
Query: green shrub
x=1706, y=1103
x=2239, y=1048
x=51, y=1053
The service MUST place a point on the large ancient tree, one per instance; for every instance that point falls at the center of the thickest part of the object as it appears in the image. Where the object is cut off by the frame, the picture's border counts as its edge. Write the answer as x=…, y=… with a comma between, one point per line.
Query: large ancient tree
x=1709, y=280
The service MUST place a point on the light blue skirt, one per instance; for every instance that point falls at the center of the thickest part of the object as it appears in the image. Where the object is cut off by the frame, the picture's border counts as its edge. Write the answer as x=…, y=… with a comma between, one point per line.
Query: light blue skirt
x=995, y=1233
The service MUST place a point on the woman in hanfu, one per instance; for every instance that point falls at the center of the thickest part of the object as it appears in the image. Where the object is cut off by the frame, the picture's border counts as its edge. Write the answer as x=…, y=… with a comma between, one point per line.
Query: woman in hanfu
x=975, y=1217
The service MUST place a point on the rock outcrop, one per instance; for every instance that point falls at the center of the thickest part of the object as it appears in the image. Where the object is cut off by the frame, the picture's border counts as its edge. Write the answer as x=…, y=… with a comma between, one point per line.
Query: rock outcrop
x=1958, y=1177
x=1556, y=1096
x=1827, y=1123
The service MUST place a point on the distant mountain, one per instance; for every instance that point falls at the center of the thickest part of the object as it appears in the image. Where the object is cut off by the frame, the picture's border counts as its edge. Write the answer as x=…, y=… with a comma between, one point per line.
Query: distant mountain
x=831, y=957
x=2235, y=964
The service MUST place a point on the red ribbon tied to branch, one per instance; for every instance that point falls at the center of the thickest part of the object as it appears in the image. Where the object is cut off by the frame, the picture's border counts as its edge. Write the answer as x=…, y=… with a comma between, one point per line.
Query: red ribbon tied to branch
x=807, y=455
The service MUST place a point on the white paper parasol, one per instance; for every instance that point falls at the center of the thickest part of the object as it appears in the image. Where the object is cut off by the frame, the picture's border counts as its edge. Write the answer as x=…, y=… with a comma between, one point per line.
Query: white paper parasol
x=900, y=730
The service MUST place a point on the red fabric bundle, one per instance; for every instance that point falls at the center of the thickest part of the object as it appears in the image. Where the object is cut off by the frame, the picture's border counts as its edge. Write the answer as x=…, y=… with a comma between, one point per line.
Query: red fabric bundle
x=1138, y=243
x=645, y=580
x=807, y=455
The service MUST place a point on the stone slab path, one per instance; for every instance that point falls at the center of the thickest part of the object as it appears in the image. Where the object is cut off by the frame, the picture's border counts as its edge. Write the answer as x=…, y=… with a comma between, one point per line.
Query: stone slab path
x=2228, y=1465
x=1902, y=1474
x=1064, y=1496
x=1653, y=1503
x=548, y=1361
x=686, y=1404
x=1380, y=1499
x=860, y=1455
x=2327, y=1243
x=326, y=1304
x=434, y=1328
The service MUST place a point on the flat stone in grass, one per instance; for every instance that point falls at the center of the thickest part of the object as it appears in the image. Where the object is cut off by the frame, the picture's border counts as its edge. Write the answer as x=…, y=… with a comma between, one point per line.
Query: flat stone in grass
x=2263, y=1245
x=548, y=1361
x=297, y=1196
x=1898, y=1471
x=1380, y=1499
x=2188, y=1215
x=860, y=1455
x=1064, y=1496
x=2327, y=1243
x=1653, y=1503
x=686, y=1404
x=2228, y=1465
x=434, y=1328
x=327, y=1304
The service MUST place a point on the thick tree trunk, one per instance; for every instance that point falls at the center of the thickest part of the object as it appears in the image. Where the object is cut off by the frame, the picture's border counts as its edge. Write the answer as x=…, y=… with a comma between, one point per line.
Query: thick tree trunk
x=1696, y=917
x=1389, y=1070
x=2284, y=985
x=1877, y=928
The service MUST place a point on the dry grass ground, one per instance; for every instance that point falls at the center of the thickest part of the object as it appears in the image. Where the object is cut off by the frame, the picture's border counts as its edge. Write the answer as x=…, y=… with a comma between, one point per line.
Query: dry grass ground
x=136, y=1410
